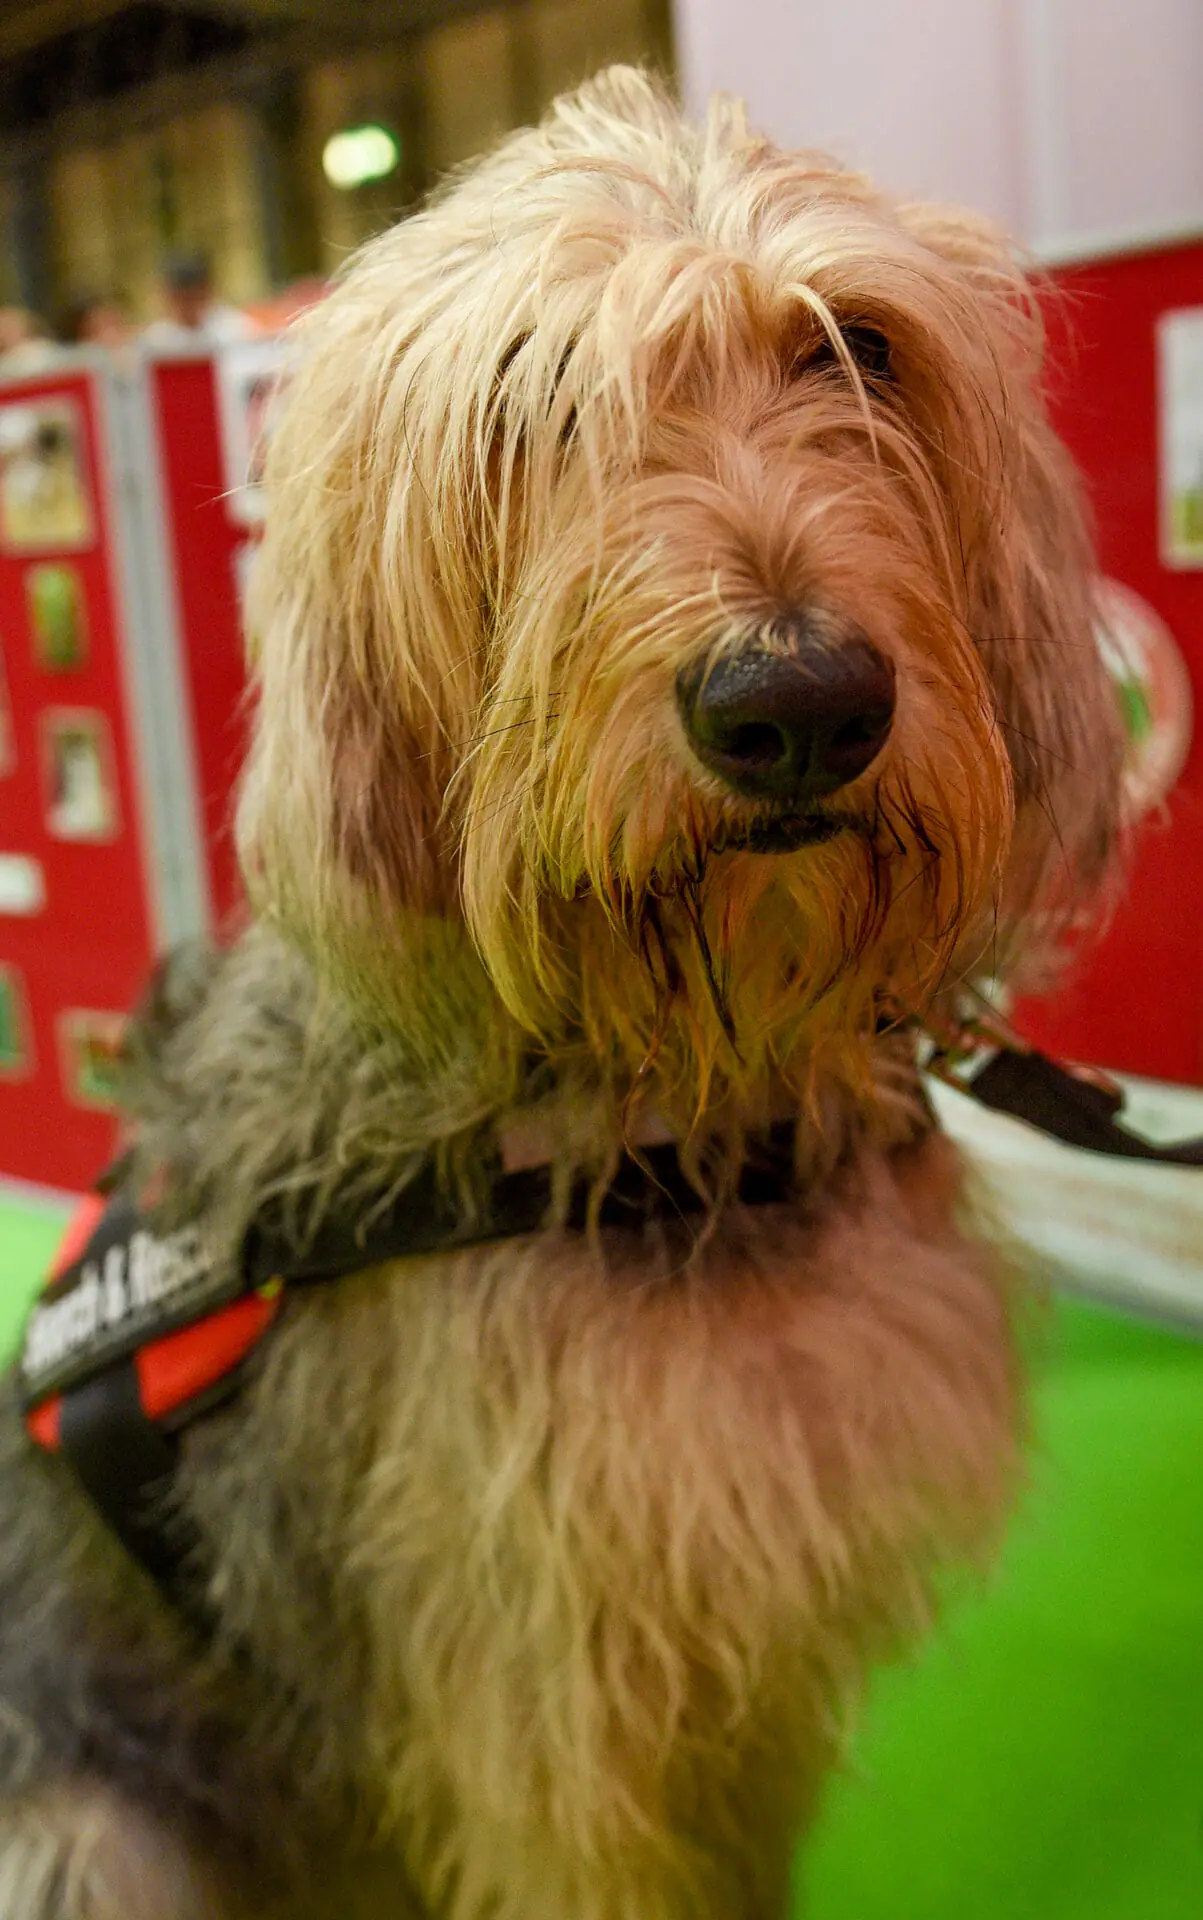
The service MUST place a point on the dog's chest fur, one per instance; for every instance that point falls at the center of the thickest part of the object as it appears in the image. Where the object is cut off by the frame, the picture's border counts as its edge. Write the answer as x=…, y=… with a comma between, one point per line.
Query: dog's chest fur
x=577, y=1568
x=551, y=1567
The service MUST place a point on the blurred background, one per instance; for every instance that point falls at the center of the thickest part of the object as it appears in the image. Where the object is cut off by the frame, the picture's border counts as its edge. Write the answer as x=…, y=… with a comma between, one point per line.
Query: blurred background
x=133, y=132
x=178, y=179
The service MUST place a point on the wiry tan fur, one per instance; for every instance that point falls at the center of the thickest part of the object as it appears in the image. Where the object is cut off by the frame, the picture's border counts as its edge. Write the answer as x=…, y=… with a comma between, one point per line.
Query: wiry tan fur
x=559, y=436
x=545, y=1575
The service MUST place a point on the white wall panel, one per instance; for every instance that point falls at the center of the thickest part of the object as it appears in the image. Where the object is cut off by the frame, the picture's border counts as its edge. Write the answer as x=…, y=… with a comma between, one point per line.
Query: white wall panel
x=1078, y=123
x=920, y=91
x=1126, y=156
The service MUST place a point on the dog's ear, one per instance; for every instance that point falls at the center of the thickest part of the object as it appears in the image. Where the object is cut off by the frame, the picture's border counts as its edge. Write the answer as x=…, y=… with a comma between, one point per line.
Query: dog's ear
x=1035, y=621
x=1030, y=589
x=365, y=632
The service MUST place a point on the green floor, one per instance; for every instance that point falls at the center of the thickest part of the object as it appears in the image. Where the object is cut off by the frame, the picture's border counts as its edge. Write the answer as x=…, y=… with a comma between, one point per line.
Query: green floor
x=1043, y=1760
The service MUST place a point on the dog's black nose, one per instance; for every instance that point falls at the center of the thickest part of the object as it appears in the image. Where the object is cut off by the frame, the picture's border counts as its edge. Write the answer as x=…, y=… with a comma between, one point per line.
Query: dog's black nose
x=794, y=714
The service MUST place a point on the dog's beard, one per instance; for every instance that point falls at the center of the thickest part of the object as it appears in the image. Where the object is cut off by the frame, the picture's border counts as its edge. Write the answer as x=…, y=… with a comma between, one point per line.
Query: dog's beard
x=629, y=904
x=719, y=955
x=782, y=832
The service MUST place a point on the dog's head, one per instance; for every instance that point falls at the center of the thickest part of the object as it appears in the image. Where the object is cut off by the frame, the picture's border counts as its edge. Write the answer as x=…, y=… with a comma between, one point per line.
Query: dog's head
x=672, y=584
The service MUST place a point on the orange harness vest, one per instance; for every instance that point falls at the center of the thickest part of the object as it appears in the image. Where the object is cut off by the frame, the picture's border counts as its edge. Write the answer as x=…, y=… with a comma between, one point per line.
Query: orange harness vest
x=103, y=1297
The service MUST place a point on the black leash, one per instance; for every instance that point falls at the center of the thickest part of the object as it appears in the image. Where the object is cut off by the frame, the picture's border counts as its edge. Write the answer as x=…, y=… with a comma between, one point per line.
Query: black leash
x=1083, y=1107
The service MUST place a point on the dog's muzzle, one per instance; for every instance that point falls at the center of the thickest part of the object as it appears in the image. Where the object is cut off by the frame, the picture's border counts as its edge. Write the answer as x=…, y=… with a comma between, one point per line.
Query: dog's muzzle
x=792, y=715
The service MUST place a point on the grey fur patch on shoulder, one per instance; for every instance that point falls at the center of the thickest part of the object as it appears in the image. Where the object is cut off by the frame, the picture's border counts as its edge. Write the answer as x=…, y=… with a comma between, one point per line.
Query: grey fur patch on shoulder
x=251, y=1086
x=78, y=1852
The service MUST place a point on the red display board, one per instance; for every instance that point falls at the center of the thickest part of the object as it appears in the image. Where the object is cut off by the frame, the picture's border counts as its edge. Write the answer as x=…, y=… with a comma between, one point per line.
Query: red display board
x=210, y=540
x=1135, y=1001
x=77, y=891
x=124, y=538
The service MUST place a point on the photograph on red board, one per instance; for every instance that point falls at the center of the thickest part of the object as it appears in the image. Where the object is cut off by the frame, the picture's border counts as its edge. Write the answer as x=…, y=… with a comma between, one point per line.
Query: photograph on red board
x=16, y=1057
x=44, y=500
x=1153, y=687
x=22, y=885
x=243, y=562
x=259, y=395
x=81, y=792
x=57, y=618
x=8, y=738
x=1180, y=398
x=250, y=379
x=90, y=1056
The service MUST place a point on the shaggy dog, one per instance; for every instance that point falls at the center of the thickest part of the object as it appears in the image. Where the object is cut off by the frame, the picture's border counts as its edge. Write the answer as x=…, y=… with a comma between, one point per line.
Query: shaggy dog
x=675, y=681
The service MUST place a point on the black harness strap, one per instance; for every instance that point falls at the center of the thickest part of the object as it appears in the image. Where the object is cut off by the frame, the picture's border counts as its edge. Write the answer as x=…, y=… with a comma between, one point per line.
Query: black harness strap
x=125, y=1462
x=645, y=1186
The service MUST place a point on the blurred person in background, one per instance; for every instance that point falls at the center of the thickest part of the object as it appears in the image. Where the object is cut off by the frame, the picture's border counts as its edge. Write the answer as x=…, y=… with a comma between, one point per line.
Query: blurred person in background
x=194, y=314
x=96, y=320
x=25, y=345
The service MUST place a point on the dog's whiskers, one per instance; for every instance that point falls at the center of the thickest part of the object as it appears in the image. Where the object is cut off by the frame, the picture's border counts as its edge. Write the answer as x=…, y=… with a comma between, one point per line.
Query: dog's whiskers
x=511, y=726
x=1038, y=746
x=691, y=895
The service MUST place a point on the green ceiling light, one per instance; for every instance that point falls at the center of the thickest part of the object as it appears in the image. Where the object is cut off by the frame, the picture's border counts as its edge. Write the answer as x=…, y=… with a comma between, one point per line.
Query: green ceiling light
x=359, y=154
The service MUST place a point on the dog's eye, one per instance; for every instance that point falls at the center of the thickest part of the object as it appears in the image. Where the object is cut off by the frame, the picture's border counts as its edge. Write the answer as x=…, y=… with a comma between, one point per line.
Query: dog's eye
x=868, y=346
